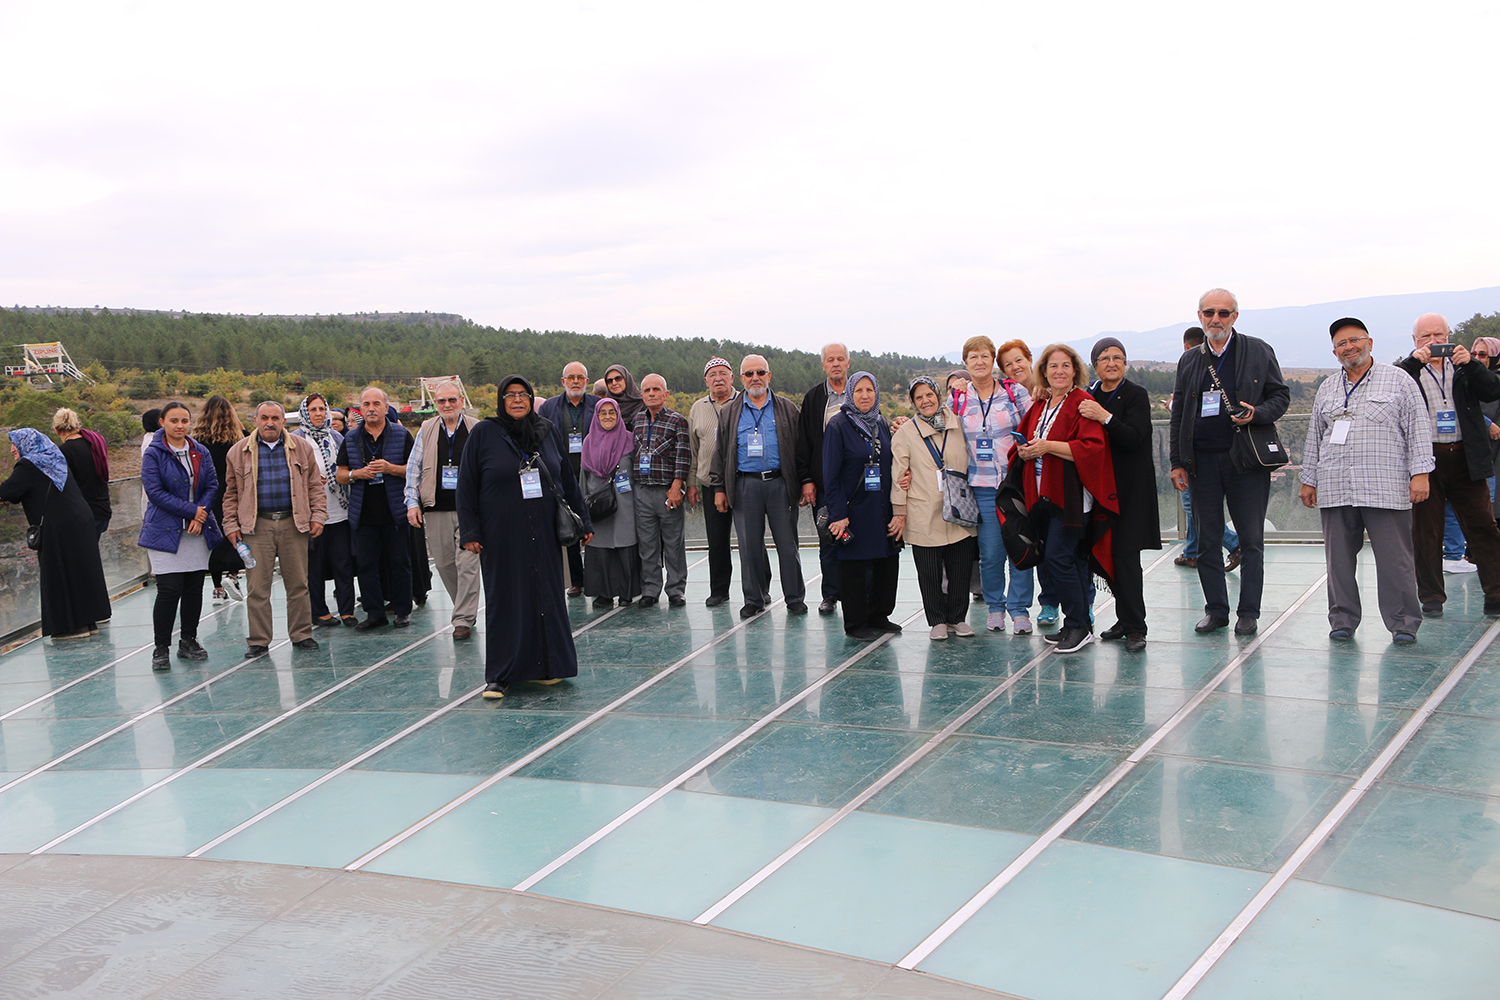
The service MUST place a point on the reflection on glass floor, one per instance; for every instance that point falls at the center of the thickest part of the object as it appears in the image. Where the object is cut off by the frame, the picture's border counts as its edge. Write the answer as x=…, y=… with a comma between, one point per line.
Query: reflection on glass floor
x=1051, y=827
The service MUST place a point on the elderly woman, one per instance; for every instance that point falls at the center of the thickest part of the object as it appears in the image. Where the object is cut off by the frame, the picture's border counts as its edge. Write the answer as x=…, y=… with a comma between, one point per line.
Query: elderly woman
x=88, y=461
x=926, y=445
x=1124, y=410
x=613, y=568
x=1069, y=485
x=178, y=530
x=508, y=483
x=71, y=584
x=331, y=554
x=857, y=485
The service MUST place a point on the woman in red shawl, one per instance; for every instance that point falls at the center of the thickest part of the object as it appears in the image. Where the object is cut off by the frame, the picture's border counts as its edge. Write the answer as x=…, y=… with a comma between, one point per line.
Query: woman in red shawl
x=1070, y=488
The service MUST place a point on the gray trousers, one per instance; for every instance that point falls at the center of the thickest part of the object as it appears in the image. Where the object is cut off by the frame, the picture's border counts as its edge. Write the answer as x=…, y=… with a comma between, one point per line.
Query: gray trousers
x=756, y=502
x=456, y=565
x=1395, y=566
x=660, y=534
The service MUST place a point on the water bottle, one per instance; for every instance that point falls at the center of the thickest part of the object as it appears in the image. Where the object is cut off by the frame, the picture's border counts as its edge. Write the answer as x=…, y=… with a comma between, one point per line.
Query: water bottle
x=245, y=556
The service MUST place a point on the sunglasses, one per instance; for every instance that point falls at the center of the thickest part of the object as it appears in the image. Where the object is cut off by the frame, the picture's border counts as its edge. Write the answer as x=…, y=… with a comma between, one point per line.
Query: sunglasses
x=755, y=371
x=1221, y=313
x=613, y=379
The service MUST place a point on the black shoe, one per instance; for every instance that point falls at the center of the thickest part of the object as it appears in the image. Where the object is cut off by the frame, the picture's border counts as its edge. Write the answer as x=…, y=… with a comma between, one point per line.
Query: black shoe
x=1210, y=623
x=251, y=652
x=161, y=658
x=829, y=606
x=1491, y=609
x=1071, y=640
x=796, y=608
x=1432, y=609
x=1052, y=637
x=189, y=649
x=888, y=627
x=349, y=621
x=604, y=602
x=1134, y=643
x=327, y=621
x=647, y=602
x=750, y=611
x=308, y=643
x=1116, y=631
x=714, y=600
x=575, y=591
x=370, y=623
x=402, y=621
x=676, y=601
x=1246, y=626
x=493, y=692
x=864, y=633
x=626, y=602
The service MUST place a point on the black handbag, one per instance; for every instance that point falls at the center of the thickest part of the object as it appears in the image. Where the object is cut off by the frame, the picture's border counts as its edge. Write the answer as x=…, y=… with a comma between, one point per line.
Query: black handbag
x=34, y=535
x=1023, y=543
x=603, y=502
x=1255, y=446
x=822, y=520
x=570, y=529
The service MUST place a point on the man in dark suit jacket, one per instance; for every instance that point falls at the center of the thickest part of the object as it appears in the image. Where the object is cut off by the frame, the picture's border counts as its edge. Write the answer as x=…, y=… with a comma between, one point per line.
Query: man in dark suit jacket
x=1204, y=424
x=818, y=406
x=571, y=411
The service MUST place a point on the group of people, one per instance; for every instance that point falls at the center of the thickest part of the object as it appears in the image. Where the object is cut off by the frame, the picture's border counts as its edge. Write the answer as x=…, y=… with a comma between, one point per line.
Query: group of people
x=1012, y=464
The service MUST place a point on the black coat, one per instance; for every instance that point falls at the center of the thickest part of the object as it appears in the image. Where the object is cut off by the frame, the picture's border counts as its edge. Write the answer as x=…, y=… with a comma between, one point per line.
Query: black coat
x=556, y=410
x=1257, y=381
x=527, y=632
x=845, y=452
x=810, y=438
x=73, y=594
x=1129, y=433
x=1473, y=384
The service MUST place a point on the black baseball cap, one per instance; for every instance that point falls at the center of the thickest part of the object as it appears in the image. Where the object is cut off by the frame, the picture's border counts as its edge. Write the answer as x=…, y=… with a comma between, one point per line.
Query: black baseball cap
x=1339, y=324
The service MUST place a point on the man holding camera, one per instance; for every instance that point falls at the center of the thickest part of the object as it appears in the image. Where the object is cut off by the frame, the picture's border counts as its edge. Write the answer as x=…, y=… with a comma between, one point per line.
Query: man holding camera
x=1453, y=385
x=1230, y=381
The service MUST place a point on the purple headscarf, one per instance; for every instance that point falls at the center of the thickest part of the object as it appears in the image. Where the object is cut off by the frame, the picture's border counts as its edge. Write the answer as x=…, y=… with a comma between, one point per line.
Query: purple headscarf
x=602, y=449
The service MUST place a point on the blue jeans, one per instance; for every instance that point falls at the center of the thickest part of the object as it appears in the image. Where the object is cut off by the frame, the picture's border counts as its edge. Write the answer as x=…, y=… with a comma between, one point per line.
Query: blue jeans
x=994, y=564
x=1067, y=564
x=1453, y=536
x=1190, y=547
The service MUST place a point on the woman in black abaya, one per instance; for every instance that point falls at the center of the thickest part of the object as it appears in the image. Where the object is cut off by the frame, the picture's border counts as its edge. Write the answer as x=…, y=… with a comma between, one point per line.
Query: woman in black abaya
x=527, y=633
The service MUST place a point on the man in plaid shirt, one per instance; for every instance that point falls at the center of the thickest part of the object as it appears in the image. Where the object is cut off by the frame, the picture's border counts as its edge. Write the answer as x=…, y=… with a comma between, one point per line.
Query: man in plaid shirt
x=663, y=458
x=1366, y=460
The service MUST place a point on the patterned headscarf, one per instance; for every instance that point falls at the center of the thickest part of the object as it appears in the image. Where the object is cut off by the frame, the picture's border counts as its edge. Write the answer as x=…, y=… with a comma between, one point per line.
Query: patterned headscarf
x=868, y=423
x=938, y=420
x=602, y=449
x=1493, y=344
x=322, y=439
x=38, y=449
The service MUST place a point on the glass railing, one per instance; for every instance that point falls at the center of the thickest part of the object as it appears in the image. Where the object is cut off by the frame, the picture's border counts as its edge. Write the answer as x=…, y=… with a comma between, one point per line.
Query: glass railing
x=20, y=587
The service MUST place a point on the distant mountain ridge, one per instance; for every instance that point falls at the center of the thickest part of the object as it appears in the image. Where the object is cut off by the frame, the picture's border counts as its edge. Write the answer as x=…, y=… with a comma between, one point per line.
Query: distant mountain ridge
x=1300, y=333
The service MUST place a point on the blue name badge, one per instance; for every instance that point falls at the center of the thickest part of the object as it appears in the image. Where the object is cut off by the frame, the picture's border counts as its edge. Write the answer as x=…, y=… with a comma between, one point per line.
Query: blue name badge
x=872, y=478
x=450, y=477
x=1210, y=404
x=645, y=465
x=984, y=449
x=575, y=443
x=1447, y=421
x=379, y=478
x=531, y=484
x=755, y=444
x=622, y=482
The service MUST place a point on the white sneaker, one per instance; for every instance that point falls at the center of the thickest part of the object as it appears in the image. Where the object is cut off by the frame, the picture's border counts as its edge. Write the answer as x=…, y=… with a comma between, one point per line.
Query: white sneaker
x=232, y=588
x=963, y=630
x=996, y=621
x=939, y=631
x=1459, y=566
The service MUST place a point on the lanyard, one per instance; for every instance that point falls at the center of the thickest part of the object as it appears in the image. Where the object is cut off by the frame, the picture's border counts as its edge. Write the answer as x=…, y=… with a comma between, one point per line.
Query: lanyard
x=1099, y=384
x=1349, y=389
x=984, y=411
x=1049, y=416
x=1442, y=383
x=448, y=439
x=526, y=461
x=757, y=414
x=371, y=453
x=573, y=419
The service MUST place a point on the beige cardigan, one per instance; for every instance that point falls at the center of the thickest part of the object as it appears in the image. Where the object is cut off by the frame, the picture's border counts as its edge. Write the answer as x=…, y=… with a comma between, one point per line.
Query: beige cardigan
x=922, y=502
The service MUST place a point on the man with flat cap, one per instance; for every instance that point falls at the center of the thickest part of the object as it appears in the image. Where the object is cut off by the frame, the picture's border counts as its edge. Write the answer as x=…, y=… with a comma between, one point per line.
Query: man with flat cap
x=703, y=425
x=1365, y=463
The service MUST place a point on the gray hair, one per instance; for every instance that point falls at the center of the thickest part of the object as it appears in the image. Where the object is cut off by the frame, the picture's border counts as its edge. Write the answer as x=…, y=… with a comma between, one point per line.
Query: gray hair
x=383, y=394
x=269, y=402
x=1219, y=291
x=823, y=354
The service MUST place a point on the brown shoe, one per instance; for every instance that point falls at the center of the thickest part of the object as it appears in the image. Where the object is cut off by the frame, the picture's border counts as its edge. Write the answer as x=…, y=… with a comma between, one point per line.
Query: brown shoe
x=1183, y=561
x=461, y=631
x=575, y=591
x=1232, y=562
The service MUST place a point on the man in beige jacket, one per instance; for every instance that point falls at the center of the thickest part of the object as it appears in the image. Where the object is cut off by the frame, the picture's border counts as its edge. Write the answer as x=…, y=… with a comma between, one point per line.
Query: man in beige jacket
x=431, y=504
x=274, y=500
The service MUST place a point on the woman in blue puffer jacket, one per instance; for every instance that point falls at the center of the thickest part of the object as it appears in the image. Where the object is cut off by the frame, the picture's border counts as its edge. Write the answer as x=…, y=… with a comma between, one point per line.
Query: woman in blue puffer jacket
x=178, y=530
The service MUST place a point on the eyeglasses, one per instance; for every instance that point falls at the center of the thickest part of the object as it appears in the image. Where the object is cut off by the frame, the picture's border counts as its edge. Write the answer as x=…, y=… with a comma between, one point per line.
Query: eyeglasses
x=447, y=399
x=575, y=378
x=1111, y=357
x=1221, y=313
x=756, y=372
x=1348, y=343
x=518, y=395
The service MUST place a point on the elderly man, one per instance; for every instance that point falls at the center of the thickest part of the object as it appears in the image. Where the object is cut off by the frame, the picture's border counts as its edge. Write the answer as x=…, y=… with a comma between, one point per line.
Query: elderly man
x=818, y=407
x=1453, y=385
x=703, y=426
x=1231, y=381
x=755, y=452
x=373, y=464
x=431, y=504
x=1366, y=460
x=663, y=461
x=274, y=500
x=571, y=412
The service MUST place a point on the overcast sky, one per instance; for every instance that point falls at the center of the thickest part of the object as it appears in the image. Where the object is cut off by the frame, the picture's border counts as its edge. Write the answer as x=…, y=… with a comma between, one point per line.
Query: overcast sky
x=782, y=173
